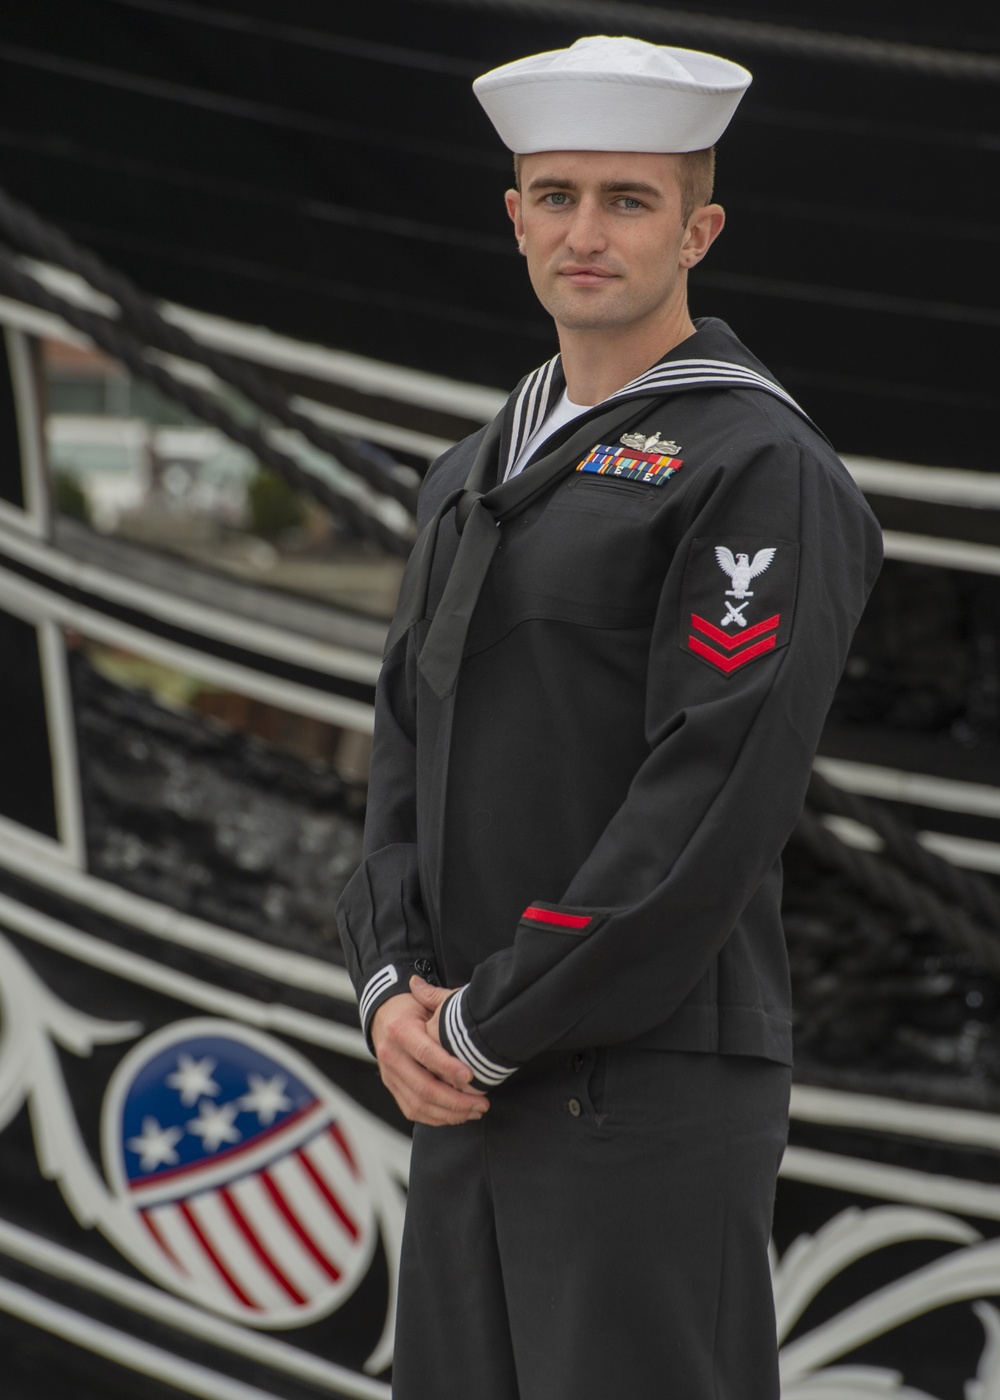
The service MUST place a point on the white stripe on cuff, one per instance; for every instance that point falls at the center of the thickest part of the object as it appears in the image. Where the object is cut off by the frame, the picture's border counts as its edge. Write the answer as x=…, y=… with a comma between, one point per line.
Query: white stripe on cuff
x=486, y=1071
x=374, y=988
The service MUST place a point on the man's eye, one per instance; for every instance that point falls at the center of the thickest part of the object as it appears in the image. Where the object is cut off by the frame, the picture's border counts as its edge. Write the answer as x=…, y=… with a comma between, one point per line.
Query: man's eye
x=627, y=202
x=557, y=198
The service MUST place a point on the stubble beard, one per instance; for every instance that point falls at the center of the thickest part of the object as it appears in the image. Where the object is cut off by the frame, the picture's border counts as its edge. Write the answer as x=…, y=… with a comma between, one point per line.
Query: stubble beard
x=607, y=309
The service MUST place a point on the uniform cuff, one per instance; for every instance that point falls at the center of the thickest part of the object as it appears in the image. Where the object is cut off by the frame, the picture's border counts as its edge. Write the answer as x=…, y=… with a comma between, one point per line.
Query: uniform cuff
x=460, y=1038
x=390, y=981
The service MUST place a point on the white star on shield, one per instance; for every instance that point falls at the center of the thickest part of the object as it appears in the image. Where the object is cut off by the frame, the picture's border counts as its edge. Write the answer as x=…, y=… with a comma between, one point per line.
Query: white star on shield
x=214, y=1124
x=193, y=1079
x=155, y=1145
x=267, y=1097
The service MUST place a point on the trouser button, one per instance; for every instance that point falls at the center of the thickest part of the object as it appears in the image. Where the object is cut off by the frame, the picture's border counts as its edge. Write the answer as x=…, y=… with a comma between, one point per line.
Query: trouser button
x=575, y=1107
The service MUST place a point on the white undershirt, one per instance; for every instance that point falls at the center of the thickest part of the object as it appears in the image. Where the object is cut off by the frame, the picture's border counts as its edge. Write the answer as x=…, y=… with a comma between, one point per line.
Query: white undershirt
x=563, y=411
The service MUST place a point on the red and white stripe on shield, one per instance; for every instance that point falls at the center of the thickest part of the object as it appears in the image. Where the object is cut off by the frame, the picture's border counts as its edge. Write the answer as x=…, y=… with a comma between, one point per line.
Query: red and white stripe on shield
x=276, y=1233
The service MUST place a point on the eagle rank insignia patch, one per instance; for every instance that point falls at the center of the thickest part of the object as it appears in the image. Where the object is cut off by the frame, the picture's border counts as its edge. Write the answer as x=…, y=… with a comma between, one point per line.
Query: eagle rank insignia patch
x=737, y=601
x=631, y=464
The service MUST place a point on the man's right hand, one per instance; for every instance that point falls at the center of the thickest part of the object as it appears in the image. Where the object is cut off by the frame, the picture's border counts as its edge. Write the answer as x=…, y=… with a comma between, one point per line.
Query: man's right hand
x=429, y=1085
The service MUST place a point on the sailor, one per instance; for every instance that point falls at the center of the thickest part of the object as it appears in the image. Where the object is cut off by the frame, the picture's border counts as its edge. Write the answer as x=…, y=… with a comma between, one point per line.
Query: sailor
x=617, y=639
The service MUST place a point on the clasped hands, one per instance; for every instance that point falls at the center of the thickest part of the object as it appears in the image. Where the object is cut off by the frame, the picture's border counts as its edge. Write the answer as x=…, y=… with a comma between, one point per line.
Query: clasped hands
x=429, y=1085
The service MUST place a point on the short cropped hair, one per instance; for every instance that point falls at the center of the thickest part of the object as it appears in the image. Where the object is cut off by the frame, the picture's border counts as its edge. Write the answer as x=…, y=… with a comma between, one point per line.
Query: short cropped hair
x=697, y=180
x=697, y=174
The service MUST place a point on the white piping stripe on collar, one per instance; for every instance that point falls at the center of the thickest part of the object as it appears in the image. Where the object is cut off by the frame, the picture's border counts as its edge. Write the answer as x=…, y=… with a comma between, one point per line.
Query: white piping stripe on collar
x=704, y=372
x=486, y=1071
x=531, y=404
x=375, y=985
x=541, y=406
x=531, y=407
x=664, y=380
x=734, y=381
x=517, y=427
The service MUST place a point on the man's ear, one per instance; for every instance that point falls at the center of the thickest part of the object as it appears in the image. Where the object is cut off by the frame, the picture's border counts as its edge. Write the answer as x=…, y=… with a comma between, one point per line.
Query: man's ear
x=512, y=199
x=704, y=227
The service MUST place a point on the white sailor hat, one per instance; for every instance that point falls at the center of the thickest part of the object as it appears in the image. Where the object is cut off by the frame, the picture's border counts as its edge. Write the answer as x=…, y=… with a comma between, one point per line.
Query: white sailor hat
x=612, y=94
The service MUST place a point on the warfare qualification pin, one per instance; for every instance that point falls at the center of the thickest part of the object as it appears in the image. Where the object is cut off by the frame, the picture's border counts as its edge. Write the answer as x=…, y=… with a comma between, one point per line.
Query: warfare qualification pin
x=651, y=444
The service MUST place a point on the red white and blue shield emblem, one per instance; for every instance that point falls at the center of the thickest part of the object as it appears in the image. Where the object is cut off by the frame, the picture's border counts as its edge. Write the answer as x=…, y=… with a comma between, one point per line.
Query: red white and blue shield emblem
x=235, y=1155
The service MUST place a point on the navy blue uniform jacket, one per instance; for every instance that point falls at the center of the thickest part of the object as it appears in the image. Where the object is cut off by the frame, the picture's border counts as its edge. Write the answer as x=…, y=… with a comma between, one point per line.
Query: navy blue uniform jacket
x=585, y=835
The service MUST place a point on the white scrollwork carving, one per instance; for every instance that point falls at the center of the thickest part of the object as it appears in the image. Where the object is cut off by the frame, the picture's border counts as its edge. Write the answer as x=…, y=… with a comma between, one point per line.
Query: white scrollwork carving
x=968, y=1274
x=34, y=1022
x=374, y=1159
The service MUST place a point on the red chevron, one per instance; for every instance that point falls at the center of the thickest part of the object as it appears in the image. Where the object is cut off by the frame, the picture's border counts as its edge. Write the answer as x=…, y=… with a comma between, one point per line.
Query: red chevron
x=735, y=639
x=730, y=663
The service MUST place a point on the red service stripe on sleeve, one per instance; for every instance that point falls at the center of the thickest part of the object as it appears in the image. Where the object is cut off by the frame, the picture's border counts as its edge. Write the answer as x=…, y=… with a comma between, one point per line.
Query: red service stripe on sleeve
x=735, y=639
x=730, y=663
x=550, y=916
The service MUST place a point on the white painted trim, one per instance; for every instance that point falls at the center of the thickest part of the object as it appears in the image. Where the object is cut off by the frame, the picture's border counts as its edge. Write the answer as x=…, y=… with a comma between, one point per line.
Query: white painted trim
x=119, y=1347
x=852, y=833
x=890, y=1183
x=66, y=1264
x=191, y=372
x=872, y=1113
x=36, y=850
x=44, y=863
x=966, y=851
x=14, y=518
x=945, y=554
x=477, y=402
x=921, y=789
x=70, y=286
x=44, y=324
x=945, y=485
x=29, y=433
x=199, y=617
x=388, y=434
x=133, y=967
x=32, y=601
x=282, y=352
x=62, y=741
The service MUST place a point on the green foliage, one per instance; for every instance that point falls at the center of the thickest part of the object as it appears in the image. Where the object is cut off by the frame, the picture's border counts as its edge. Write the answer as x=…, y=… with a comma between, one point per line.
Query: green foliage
x=273, y=505
x=70, y=497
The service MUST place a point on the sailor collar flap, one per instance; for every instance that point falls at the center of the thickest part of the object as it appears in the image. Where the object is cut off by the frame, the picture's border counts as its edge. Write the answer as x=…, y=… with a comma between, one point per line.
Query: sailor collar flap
x=480, y=508
x=528, y=406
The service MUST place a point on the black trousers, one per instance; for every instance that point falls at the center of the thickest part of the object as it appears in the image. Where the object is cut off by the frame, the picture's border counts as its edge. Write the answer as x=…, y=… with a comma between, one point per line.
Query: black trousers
x=602, y=1233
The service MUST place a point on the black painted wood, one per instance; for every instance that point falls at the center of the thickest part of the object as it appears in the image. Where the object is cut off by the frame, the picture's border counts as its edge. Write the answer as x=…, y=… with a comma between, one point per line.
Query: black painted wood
x=26, y=793
x=11, y=481
x=326, y=171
